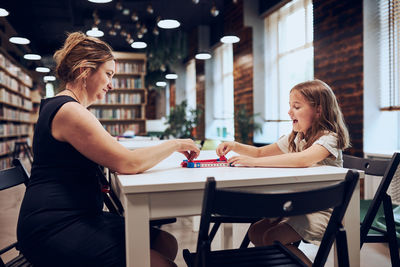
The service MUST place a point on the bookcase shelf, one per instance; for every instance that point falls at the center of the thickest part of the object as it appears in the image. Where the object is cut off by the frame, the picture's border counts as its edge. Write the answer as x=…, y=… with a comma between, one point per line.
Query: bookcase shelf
x=15, y=107
x=124, y=107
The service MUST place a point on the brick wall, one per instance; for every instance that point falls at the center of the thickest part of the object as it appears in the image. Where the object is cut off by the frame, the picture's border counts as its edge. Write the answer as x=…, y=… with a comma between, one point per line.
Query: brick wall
x=338, y=59
x=242, y=58
x=200, y=98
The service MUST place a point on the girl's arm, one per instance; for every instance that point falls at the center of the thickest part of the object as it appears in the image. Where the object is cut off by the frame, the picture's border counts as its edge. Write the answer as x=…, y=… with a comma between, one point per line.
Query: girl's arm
x=79, y=127
x=252, y=151
x=305, y=158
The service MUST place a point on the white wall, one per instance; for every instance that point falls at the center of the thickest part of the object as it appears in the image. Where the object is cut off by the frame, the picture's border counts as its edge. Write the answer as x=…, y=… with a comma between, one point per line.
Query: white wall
x=381, y=129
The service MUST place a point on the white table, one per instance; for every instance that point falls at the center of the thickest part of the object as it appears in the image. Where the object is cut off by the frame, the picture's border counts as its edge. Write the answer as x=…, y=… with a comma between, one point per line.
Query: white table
x=168, y=190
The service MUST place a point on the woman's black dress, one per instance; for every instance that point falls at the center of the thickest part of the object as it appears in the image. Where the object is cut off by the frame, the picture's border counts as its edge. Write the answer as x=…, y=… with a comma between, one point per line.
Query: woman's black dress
x=61, y=221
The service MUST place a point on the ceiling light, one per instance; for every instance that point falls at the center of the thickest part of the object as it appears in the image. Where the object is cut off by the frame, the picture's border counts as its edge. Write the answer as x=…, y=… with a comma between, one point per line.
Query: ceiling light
x=95, y=32
x=230, y=39
x=49, y=78
x=168, y=24
x=214, y=10
x=139, y=45
x=161, y=84
x=3, y=12
x=100, y=1
x=171, y=76
x=203, y=55
x=196, y=1
x=32, y=57
x=42, y=69
x=19, y=40
x=150, y=9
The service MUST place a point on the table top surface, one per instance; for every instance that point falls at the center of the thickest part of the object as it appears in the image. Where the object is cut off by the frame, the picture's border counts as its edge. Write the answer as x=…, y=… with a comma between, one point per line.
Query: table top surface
x=168, y=175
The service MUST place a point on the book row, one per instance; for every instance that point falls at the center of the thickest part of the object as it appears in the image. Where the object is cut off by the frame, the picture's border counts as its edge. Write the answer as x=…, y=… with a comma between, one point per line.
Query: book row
x=119, y=114
x=16, y=100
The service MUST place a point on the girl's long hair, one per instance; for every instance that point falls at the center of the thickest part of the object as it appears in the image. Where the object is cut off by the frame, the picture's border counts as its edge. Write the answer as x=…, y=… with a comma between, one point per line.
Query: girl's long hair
x=321, y=97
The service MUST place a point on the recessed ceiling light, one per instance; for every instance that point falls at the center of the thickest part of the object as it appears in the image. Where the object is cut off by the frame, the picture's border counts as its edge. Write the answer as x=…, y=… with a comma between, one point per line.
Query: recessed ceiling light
x=139, y=45
x=49, y=78
x=19, y=40
x=171, y=76
x=32, y=57
x=168, y=24
x=161, y=84
x=203, y=55
x=95, y=32
x=42, y=69
x=100, y=1
x=3, y=12
x=230, y=39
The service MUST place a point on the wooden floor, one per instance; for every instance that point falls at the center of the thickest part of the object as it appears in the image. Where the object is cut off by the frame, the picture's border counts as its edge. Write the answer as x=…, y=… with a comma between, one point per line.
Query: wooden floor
x=371, y=255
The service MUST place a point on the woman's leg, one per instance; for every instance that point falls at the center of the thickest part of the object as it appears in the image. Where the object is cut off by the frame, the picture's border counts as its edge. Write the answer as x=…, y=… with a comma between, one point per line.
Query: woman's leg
x=285, y=234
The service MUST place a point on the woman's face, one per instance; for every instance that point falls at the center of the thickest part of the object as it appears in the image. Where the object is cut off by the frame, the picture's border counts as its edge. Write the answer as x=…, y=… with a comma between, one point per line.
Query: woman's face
x=301, y=112
x=99, y=82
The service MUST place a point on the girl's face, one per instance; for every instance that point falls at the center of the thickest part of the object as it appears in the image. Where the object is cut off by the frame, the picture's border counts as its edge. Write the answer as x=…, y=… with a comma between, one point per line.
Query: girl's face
x=99, y=82
x=301, y=113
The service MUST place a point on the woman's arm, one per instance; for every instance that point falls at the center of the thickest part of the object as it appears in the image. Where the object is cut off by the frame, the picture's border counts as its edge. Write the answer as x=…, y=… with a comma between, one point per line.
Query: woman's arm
x=76, y=125
x=247, y=150
x=305, y=158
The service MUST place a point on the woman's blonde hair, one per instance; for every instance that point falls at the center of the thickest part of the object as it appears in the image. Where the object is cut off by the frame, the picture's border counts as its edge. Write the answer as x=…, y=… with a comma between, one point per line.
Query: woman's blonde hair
x=80, y=51
x=321, y=97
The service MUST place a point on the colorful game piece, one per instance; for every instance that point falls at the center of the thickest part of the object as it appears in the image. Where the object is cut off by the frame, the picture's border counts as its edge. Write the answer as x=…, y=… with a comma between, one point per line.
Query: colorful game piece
x=207, y=163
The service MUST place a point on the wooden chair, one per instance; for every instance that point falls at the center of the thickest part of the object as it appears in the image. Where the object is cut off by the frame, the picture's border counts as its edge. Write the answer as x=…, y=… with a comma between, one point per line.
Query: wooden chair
x=386, y=169
x=22, y=146
x=9, y=178
x=113, y=203
x=270, y=205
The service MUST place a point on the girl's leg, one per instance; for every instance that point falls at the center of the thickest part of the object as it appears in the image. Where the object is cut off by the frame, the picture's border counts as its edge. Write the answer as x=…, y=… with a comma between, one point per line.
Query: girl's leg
x=166, y=245
x=257, y=230
x=285, y=234
x=159, y=260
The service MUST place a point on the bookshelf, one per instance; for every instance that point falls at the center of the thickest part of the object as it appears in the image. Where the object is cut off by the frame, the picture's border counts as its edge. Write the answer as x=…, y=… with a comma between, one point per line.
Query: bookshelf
x=124, y=107
x=15, y=108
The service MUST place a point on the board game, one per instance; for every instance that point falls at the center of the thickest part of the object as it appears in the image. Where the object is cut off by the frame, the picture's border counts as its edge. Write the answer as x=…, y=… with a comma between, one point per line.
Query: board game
x=206, y=163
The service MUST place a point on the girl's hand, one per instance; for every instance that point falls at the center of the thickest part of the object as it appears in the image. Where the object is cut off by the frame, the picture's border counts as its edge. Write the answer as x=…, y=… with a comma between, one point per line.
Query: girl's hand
x=188, y=148
x=225, y=147
x=242, y=160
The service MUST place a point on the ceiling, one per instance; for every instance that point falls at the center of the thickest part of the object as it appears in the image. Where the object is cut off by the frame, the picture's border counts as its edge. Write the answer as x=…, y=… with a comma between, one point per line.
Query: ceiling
x=45, y=22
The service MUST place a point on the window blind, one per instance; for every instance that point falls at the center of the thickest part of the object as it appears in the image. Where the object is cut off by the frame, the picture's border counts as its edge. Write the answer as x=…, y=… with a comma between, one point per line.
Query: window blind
x=389, y=13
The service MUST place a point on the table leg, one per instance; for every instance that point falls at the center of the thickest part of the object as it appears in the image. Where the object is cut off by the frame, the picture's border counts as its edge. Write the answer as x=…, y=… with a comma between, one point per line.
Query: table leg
x=137, y=230
x=352, y=226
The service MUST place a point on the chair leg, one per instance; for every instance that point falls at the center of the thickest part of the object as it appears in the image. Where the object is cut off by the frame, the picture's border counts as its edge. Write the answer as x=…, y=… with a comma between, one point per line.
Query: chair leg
x=391, y=230
x=246, y=241
x=342, y=249
x=214, y=230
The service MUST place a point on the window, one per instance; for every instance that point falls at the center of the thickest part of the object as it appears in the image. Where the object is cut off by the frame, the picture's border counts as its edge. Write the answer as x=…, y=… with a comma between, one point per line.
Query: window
x=389, y=54
x=222, y=123
x=288, y=61
x=190, y=86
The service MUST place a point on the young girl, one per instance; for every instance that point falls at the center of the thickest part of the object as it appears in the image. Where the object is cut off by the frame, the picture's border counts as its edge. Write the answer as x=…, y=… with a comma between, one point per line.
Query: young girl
x=318, y=137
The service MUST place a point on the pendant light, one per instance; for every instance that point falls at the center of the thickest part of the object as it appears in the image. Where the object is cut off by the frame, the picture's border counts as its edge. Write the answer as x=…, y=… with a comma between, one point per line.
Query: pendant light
x=203, y=43
x=3, y=12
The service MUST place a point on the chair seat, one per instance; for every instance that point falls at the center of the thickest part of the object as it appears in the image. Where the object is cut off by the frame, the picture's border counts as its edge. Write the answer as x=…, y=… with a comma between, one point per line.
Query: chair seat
x=379, y=220
x=274, y=255
x=19, y=261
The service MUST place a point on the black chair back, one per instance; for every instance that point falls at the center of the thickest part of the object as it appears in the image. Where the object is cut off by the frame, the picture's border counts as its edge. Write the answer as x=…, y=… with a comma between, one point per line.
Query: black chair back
x=11, y=177
x=386, y=168
x=225, y=202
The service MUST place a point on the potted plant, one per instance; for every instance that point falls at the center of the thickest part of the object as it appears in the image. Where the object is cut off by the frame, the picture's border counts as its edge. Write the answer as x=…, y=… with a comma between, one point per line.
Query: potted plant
x=246, y=124
x=180, y=123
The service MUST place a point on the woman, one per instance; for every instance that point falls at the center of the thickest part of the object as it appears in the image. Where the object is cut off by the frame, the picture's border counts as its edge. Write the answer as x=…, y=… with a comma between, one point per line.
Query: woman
x=61, y=222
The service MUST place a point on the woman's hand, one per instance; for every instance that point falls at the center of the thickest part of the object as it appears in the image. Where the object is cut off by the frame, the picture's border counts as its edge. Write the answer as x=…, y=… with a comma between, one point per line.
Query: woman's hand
x=225, y=147
x=243, y=161
x=188, y=148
